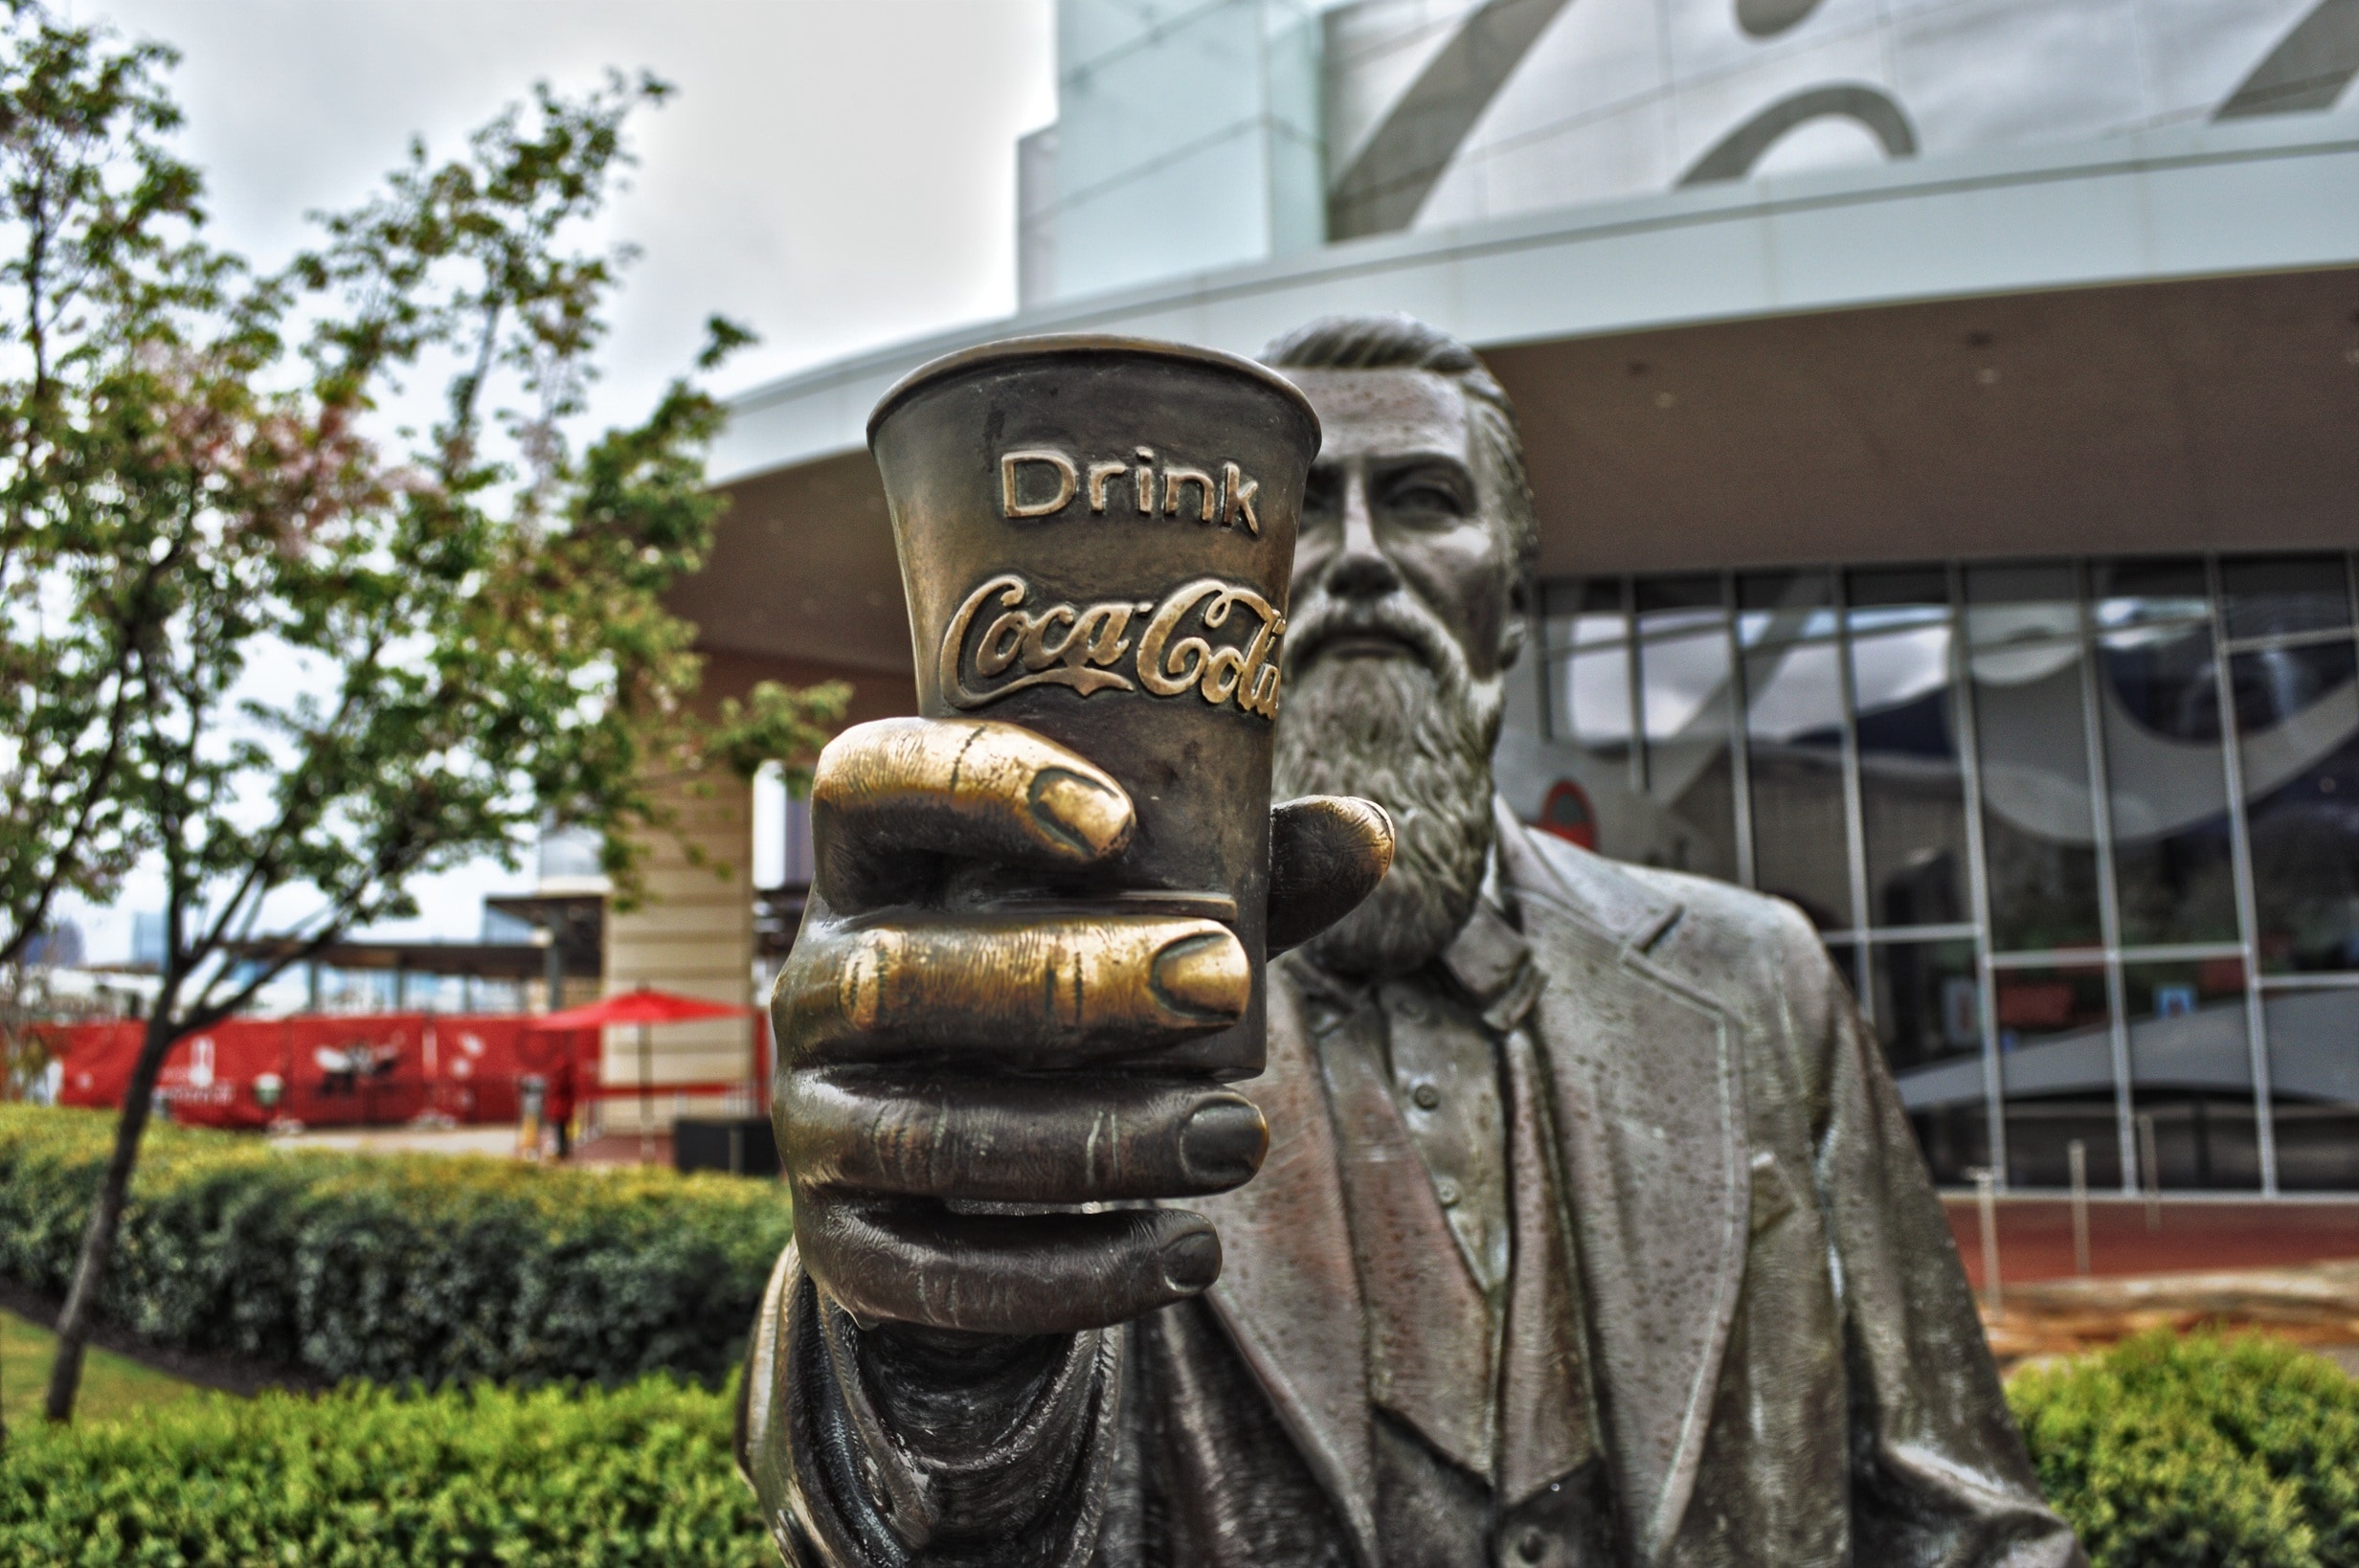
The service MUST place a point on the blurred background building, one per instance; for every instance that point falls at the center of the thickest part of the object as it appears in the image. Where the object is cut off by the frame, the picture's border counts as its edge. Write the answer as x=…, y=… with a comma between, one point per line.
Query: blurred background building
x=1940, y=415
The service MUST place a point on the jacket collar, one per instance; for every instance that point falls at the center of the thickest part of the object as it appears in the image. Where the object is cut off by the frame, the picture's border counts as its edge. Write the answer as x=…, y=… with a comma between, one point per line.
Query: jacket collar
x=1650, y=1120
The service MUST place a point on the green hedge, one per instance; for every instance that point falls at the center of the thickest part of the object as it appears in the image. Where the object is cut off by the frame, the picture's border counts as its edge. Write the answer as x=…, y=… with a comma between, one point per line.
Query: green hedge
x=2163, y=1454
x=364, y=1478
x=398, y=1268
x=2188, y=1453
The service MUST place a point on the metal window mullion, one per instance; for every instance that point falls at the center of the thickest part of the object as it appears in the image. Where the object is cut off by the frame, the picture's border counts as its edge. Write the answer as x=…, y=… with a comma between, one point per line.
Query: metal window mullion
x=1977, y=877
x=2108, y=894
x=2342, y=982
x=1739, y=756
x=2241, y=865
x=1636, y=695
x=1956, y=930
x=1545, y=677
x=1855, y=819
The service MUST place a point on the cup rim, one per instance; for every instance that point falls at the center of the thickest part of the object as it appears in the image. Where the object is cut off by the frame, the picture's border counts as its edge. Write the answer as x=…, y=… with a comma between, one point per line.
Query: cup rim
x=1051, y=345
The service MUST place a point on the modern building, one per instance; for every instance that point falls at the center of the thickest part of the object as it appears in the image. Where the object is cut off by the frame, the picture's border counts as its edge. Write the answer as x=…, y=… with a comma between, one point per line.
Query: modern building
x=1943, y=417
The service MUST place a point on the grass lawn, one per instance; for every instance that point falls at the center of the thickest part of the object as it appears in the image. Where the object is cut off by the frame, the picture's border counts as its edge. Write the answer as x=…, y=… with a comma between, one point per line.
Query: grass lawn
x=112, y=1387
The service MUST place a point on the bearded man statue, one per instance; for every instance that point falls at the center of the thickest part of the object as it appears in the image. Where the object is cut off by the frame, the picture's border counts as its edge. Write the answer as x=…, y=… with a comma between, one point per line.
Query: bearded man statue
x=1589, y=1230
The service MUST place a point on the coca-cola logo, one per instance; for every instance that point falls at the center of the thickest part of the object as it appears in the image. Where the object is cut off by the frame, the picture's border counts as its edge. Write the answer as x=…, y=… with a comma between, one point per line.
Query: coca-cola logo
x=1217, y=640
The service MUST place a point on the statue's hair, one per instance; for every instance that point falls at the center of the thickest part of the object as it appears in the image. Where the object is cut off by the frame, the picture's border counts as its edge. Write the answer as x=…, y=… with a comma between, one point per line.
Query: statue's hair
x=1396, y=342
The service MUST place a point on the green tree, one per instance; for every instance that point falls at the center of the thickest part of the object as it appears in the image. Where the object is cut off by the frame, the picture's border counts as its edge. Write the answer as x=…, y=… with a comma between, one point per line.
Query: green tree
x=309, y=658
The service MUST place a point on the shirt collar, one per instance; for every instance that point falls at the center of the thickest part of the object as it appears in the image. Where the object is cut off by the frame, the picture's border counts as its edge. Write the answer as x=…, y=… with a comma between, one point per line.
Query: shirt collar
x=1490, y=958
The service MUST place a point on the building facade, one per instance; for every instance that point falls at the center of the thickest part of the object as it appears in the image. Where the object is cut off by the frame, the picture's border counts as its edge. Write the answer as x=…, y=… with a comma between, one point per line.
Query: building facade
x=1941, y=416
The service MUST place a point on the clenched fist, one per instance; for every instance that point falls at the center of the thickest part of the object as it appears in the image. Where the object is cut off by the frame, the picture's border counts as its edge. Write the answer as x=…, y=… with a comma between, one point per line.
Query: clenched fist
x=951, y=1064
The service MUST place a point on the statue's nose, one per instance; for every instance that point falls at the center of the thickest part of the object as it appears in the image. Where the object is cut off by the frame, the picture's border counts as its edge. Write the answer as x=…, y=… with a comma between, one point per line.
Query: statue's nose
x=1361, y=568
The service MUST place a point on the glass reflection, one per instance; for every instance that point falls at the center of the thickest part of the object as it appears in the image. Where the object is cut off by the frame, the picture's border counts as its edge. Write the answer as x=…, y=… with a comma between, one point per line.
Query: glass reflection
x=2056, y=1062
x=1684, y=696
x=2169, y=788
x=2039, y=824
x=1912, y=793
x=2191, y=1071
x=1795, y=754
x=1782, y=606
x=2147, y=592
x=1593, y=699
x=1892, y=597
x=1576, y=613
x=2278, y=595
x=1928, y=1004
x=2314, y=1088
x=2298, y=741
x=1645, y=686
x=1928, y=1018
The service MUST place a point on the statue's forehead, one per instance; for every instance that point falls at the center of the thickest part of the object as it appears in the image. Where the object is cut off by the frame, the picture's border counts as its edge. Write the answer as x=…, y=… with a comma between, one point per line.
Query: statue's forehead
x=1373, y=412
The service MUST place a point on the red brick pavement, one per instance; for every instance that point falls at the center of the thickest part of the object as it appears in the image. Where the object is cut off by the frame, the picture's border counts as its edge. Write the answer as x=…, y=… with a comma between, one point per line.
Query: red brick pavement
x=2036, y=1236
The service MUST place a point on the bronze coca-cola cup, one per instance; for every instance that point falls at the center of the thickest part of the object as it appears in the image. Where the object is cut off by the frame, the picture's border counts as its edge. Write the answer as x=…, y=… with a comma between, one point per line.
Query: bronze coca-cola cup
x=1096, y=535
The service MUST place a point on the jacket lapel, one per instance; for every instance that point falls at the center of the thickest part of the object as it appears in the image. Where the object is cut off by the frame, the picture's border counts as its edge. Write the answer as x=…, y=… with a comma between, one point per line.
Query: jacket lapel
x=1648, y=1112
x=1288, y=1290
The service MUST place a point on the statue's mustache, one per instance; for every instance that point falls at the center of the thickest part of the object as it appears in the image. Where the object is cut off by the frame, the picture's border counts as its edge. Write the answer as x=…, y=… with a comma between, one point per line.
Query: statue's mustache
x=1325, y=618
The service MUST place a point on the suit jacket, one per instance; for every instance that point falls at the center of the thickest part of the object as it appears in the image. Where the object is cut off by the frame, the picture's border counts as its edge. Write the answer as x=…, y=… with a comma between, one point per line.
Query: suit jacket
x=1787, y=1362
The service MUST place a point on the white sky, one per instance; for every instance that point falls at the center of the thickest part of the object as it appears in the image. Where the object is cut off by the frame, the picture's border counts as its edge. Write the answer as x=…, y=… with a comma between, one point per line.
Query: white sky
x=834, y=173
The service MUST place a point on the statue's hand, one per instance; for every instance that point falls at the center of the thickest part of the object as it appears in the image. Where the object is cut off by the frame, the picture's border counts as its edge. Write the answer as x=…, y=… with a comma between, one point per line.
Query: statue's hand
x=932, y=1055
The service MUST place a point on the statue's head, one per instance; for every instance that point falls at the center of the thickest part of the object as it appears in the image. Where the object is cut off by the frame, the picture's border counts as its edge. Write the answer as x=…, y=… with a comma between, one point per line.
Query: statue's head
x=1410, y=584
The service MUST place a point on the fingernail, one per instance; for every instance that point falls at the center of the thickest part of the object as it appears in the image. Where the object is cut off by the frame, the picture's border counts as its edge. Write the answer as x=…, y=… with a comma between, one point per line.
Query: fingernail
x=1081, y=811
x=1192, y=1262
x=1222, y=1142
x=1204, y=976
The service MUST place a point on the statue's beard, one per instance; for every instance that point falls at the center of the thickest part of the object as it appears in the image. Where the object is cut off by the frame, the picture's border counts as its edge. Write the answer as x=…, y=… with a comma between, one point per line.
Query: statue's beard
x=1414, y=732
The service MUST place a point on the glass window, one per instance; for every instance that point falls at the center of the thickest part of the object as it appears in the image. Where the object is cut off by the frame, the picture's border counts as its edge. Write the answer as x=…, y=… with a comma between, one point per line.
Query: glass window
x=2149, y=593
x=2275, y=595
x=2314, y=1084
x=2004, y=604
x=1928, y=1004
x=2038, y=821
x=1845, y=957
x=2056, y=1058
x=1794, y=756
x=1883, y=598
x=2159, y=692
x=1684, y=694
x=1928, y=1018
x=1582, y=611
x=1912, y=791
x=1593, y=699
x=1672, y=604
x=2298, y=740
x=2191, y=1071
x=1781, y=607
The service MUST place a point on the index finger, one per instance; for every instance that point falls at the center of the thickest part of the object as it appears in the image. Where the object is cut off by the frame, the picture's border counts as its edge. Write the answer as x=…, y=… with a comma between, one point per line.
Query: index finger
x=968, y=787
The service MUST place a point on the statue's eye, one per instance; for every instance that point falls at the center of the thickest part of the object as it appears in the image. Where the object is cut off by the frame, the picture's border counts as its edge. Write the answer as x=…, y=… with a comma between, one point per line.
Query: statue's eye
x=1426, y=495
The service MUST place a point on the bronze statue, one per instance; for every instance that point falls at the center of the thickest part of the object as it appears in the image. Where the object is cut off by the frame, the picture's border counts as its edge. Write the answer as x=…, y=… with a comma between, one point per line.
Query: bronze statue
x=1588, y=1229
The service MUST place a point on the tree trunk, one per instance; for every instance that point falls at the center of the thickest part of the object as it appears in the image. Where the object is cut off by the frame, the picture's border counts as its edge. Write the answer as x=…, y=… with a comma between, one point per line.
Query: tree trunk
x=81, y=1301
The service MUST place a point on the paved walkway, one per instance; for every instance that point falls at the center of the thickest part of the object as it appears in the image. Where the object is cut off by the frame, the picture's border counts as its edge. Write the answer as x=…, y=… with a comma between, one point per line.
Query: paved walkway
x=499, y=1140
x=2194, y=1235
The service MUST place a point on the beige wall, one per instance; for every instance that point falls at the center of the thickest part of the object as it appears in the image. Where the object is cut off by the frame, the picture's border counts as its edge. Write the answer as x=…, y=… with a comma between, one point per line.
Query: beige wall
x=692, y=933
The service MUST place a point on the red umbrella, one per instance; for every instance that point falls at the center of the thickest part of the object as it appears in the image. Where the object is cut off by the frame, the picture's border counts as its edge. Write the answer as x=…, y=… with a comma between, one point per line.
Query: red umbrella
x=643, y=1007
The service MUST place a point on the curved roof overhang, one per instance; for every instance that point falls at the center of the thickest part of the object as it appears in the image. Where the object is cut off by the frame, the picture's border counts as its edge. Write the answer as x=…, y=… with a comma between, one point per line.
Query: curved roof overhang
x=1928, y=357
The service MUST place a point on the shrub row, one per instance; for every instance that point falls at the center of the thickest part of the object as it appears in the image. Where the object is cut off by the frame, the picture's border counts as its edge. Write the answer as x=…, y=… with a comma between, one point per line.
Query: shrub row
x=397, y=1269
x=364, y=1478
x=2199, y=1452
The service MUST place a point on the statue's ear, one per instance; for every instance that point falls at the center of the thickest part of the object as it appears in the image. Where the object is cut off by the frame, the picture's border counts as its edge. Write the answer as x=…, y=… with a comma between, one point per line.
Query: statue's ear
x=1516, y=628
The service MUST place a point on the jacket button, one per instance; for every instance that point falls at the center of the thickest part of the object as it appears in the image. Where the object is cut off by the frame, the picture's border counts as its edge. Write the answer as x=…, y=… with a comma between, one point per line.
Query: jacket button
x=1533, y=1546
x=1426, y=1096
